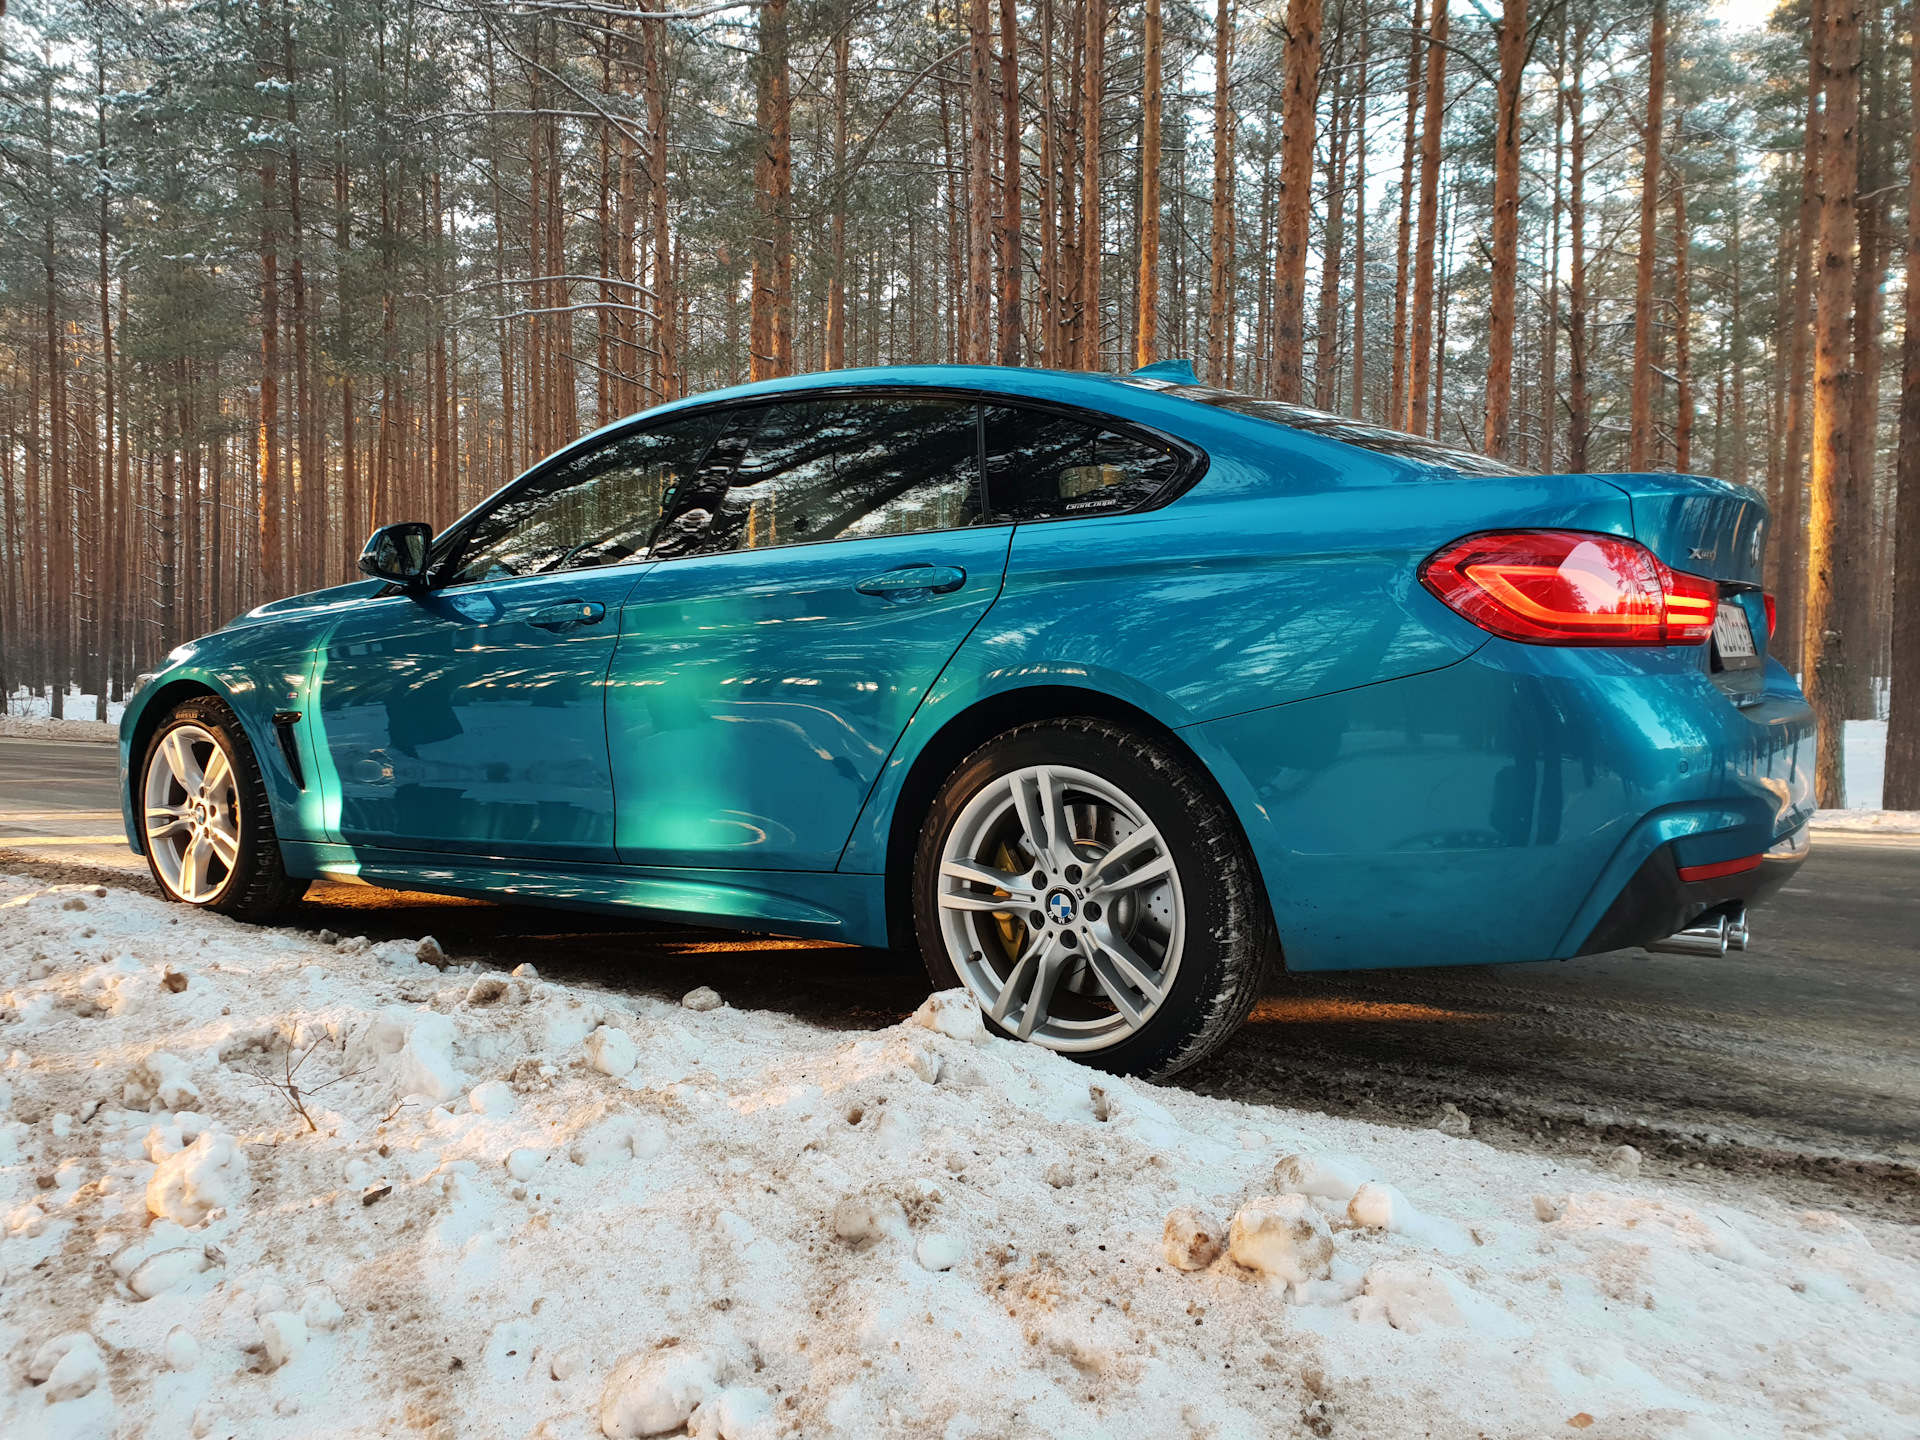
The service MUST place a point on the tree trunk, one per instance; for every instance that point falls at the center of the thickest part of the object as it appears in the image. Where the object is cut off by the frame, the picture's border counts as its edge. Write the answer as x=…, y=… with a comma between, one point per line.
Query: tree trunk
x=1682, y=319
x=1788, y=568
x=1146, y=330
x=1902, y=789
x=1360, y=230
x=1830, y=652
x=1506, y=227
x=978, y=349
x=1326, y=340
x=837, y=279
x=1011, y=219
x=1219, y=315
x=268, y=565
x=1093, y=90
x=1640, y=439
x=666, y=367
x=1421, y=345
x=770, y=342
x=1299, y=104
x=1579, y=412
x=1397, y=381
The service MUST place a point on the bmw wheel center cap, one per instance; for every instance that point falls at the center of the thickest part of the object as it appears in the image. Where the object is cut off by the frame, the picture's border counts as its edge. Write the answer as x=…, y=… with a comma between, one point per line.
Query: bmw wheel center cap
x=1060, y=908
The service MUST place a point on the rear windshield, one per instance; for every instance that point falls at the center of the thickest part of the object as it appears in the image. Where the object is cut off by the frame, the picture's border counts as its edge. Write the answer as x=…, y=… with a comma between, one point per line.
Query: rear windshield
x=1417, y=448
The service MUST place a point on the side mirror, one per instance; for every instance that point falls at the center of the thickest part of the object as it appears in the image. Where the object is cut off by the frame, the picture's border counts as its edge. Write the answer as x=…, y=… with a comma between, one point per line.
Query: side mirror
x=398, y=553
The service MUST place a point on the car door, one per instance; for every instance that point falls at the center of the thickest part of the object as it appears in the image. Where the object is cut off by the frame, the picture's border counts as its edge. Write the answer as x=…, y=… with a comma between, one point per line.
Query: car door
x=812, y=581
x=470, y=717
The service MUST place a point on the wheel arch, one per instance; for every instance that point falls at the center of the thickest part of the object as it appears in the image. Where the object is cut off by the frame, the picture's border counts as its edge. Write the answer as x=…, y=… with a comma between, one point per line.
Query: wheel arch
x=993, y=714
x=135, y=738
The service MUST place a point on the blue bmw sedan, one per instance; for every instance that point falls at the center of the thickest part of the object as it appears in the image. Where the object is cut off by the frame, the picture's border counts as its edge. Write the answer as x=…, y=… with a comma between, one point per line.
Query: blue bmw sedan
x=1102, y=693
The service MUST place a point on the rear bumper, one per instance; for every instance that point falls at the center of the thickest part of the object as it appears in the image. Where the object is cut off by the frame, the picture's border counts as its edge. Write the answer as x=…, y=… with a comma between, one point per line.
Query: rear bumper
x=1504, y=808
x=1658, y=902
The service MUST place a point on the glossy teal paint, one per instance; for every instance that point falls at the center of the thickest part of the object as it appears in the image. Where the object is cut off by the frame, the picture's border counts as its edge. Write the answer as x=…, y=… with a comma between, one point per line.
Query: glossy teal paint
x=729, y=739
x=847, y=908
x=755, y=695
x=473, y=719
x=1497, y=807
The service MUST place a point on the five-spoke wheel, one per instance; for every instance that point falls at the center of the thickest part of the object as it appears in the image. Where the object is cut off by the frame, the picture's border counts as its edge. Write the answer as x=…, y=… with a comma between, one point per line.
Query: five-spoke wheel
x=1089, y=888
x=205, y=822
x=192, y=813
x=1061, y=904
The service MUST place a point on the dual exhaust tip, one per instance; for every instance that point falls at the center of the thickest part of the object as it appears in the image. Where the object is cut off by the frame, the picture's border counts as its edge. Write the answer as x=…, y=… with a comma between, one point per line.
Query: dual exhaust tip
x=1714, y=934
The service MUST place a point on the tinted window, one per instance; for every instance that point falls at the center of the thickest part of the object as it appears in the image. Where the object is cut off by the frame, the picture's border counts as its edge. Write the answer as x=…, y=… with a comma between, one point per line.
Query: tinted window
x=597, y=508
x=1043, y=467
x=1418, y=448
x=836, y=469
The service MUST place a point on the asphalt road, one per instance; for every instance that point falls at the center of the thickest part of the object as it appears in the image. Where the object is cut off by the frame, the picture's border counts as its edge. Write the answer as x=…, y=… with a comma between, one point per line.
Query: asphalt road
x=1796, y=1064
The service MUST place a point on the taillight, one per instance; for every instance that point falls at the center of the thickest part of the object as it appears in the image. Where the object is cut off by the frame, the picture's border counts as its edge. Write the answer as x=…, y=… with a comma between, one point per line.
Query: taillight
x=1771, y=620
x=1568, y=587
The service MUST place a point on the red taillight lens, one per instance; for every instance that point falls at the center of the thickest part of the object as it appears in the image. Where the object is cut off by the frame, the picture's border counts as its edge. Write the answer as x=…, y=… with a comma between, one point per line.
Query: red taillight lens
x=1771, y=618
x=1568, y=587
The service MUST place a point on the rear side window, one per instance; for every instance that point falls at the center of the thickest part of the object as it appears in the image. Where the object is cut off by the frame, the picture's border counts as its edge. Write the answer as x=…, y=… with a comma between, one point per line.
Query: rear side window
x=830, y=469
x=1045, y=467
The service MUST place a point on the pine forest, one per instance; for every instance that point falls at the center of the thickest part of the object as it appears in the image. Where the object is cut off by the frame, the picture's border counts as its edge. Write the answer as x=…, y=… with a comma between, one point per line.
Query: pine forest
x=274, y=272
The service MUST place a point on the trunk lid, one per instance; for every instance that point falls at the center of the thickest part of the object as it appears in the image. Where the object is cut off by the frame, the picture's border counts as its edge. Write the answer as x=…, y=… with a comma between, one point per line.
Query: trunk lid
x=1716, y=529
x=1699, y=524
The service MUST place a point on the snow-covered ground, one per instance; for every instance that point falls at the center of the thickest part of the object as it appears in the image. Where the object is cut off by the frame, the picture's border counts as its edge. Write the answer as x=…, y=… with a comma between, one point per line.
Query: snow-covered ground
x=25, y=704
x=506, y=1207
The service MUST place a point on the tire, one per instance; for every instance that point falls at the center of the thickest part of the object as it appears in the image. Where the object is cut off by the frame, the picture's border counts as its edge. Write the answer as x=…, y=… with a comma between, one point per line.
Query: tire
x=209, y=839
x=1147, y=960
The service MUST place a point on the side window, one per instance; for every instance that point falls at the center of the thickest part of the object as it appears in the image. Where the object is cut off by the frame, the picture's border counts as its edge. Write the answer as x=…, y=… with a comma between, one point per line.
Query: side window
x=1044, y=467
x=831, y=469
x=597, y=508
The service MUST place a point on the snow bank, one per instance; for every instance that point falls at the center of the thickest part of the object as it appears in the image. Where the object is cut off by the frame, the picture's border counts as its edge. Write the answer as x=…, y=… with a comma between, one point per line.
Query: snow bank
x=294, y=1198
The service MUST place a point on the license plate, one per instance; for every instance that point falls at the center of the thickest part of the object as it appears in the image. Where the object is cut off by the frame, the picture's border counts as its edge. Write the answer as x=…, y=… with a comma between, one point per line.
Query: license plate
x=1733, y=637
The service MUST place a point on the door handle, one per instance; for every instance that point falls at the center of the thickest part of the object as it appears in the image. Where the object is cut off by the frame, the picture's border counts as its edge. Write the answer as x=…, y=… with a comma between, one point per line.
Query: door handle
x=911, y=579
x=568, y=615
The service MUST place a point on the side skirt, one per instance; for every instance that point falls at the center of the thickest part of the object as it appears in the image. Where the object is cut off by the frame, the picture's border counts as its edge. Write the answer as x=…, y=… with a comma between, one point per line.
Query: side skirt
x=816, y=905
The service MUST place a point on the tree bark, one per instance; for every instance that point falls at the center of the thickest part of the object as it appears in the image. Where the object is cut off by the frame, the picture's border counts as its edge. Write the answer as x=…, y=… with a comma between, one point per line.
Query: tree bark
x=770, y=342
x=1787, y=566
x=1421, y=346
x=666, y=368
x=1012, y=320
x=1146, y=330
x=1682, y=315
x=837, y=280
x=1830, y=652
x=977, y=350
x=1220, y=271
x=1579, y=412
x=1093, y=90
x=1640, y=439
x=1300, y=97
x=1902, y=787
x=1360, y=228
x=1506, y=227
x=1397, y=380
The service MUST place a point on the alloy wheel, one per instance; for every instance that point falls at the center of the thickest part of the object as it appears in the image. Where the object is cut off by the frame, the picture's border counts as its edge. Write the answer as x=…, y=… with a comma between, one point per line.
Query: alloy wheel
x=1060, y=906
x=192, y=813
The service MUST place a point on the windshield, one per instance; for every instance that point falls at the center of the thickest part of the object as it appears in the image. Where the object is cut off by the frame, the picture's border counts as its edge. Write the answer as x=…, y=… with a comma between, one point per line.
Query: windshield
x=1344, y=428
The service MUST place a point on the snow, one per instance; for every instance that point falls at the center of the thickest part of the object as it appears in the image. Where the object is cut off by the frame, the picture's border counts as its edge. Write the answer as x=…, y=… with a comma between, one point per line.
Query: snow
x=1865, y=750
x=404, y=1199
x=1869, y=822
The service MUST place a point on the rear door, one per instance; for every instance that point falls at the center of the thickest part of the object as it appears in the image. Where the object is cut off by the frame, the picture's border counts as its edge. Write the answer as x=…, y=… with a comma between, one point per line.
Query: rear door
x=813, y=581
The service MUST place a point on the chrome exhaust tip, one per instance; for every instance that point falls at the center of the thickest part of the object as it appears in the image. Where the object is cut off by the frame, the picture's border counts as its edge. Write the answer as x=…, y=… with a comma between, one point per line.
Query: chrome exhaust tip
x=1713, y=935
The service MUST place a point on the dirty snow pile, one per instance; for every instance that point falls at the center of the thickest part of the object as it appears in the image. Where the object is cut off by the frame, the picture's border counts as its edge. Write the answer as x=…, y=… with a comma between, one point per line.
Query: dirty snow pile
x=266, y=1183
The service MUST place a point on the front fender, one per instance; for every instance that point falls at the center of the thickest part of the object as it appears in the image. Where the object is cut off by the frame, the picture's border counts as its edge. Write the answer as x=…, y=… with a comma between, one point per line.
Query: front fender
x=258, y=672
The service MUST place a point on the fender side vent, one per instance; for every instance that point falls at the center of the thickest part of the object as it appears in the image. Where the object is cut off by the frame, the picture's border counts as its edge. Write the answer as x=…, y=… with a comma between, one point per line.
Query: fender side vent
x=283, y=723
